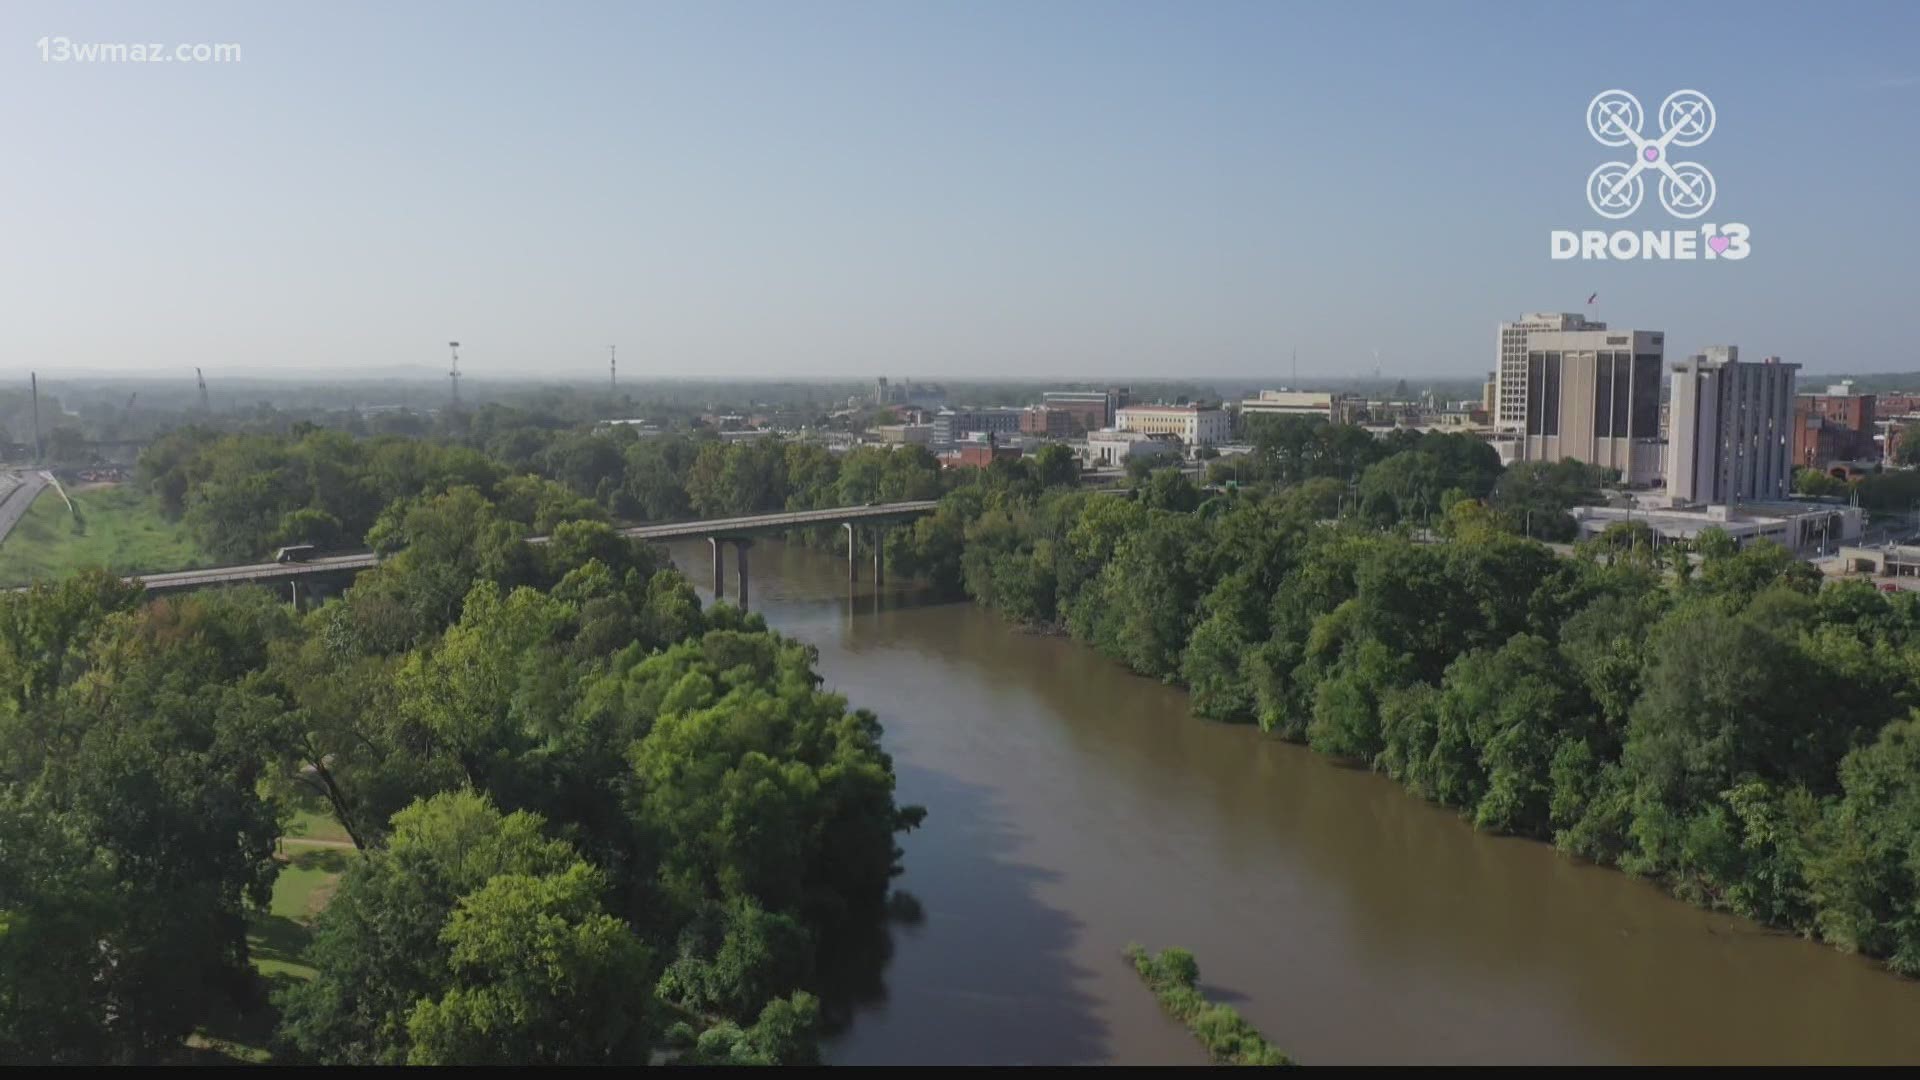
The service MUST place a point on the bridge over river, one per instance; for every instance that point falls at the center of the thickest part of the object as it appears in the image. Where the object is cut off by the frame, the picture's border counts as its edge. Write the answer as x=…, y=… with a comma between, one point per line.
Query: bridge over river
x=718, y=532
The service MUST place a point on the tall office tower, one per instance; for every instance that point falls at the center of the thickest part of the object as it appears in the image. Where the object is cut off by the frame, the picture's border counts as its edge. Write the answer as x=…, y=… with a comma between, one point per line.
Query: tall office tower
x=1731, y=425
x=1594, y=396
x=1510, y=405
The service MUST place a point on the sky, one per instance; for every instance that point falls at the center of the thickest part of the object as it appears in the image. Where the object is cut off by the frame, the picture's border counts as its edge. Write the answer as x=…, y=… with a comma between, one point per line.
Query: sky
x=912, y=188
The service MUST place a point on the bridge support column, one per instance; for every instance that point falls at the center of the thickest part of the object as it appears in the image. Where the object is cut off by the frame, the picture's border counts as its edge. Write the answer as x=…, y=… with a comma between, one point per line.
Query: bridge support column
x=879, y=556
x=853, y=552
x=740, y=564
x=719, y=570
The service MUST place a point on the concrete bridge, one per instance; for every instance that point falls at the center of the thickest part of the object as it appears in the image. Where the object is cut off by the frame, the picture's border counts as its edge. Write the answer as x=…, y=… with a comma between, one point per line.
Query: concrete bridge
x=719, y=532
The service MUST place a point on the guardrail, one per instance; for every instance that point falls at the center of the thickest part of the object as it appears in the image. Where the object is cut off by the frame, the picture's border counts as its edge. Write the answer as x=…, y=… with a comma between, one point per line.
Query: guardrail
x=769, y=522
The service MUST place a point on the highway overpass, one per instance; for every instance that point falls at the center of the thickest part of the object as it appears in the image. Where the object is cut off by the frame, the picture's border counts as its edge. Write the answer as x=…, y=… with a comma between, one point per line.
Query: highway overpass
x=719, y=532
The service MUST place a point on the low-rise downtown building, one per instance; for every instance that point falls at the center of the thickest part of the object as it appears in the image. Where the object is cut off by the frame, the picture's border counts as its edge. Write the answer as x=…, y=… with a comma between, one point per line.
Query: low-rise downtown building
x=1194, y=425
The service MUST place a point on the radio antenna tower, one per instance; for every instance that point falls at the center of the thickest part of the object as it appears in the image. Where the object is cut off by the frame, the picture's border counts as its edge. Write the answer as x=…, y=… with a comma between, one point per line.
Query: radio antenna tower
x=611, y=380
x=39, y=449
x=453, y=373
x=202, y=380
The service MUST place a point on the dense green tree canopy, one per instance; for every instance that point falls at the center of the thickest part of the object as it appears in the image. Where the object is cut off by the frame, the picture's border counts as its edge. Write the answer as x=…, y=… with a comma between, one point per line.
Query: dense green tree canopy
x=583, y=807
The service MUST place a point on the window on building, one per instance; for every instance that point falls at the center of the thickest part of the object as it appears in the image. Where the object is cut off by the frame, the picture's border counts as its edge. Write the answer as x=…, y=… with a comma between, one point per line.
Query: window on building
x=1603, y=396
x=1646, y=396
x=1536, y=377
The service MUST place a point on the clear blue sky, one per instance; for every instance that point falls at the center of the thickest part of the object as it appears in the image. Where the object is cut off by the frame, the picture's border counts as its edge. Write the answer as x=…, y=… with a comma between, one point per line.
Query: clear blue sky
x=912, y=188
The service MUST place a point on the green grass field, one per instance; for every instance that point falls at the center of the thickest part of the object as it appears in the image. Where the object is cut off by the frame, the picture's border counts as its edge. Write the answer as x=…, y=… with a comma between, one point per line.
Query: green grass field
x=277, y=939
x=316, y=824
x=117, y=527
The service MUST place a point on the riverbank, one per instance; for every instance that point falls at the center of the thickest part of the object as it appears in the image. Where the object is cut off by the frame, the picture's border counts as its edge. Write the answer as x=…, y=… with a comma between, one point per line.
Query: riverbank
x=1074, y=807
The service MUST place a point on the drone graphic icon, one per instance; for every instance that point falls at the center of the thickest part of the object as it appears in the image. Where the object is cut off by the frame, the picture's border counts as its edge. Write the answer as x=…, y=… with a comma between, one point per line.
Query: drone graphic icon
x=1615, y=189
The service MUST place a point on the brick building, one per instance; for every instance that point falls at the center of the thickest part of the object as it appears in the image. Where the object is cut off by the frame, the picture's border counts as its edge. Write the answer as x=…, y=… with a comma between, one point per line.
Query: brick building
x=978, y=455
x=1051, y=422
x=1835, y=426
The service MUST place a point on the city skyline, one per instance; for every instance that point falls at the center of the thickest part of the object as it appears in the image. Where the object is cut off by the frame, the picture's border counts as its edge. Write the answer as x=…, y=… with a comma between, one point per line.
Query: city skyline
x=1069, y=192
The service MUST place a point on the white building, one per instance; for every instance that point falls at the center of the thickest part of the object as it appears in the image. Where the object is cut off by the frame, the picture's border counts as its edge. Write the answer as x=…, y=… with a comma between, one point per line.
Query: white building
x=906, y=434
x=1330, y=407
x=1730, y=429
x=1112, y=447
x=1510, y=378
x=1802, y=527
x=1192, y=424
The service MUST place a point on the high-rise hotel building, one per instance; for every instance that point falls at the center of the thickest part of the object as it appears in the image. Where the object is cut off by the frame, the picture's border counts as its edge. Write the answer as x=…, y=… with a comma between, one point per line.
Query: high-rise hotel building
x=1593, y=394
x=1510, y=378
x=1731, y=427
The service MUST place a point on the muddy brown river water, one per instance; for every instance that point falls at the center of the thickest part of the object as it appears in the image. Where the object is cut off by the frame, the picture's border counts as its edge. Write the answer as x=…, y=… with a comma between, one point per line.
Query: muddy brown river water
x=1073, y=808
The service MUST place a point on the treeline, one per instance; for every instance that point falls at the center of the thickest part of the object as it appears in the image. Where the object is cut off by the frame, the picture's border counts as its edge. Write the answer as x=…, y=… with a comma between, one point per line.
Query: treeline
x=1409, y=475
x=592, y=819
x=1729, y=729
x=240, y=496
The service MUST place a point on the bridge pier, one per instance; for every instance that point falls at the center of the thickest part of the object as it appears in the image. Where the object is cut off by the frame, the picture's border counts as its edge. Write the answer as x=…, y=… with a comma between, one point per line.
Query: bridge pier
x=879, y=556
x=719, y=570
x=740, y=546
x=853, y=552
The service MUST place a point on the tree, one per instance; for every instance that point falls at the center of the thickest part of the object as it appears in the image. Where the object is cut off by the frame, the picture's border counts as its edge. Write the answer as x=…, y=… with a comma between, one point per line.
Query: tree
x=1055, y=466
x=735, y=958
x=1169, y=489
x=1866, y=875
x=379, y=948
x=56, y=906
x=1536, y=495
x=538, y=974
x=143, y=781
x=1502, y=717
x=1818, y=482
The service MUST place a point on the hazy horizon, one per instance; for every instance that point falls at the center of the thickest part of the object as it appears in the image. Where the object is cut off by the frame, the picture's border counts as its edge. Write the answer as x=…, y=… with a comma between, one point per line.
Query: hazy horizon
x=979, y=191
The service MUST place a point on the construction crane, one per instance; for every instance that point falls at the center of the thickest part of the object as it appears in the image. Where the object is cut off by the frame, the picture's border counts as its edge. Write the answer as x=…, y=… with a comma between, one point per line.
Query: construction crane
x=453, y=373
x=202, y=380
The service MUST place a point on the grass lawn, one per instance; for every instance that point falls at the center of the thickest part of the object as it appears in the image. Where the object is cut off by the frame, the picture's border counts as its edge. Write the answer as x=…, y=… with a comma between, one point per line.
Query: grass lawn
x=277, y=939
x=311, y=824
x=117, y=527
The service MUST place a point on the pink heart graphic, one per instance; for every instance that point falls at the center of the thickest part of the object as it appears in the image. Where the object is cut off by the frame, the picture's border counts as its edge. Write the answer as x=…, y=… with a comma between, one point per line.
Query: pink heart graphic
x=1718, y=244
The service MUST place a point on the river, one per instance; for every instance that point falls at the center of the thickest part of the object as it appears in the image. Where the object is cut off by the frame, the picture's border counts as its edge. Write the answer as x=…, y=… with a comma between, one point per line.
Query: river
x=1074, y=808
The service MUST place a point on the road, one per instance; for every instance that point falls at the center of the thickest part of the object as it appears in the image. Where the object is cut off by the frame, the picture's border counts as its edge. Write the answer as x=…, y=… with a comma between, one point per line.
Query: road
x=17, y=492
x=255, y=572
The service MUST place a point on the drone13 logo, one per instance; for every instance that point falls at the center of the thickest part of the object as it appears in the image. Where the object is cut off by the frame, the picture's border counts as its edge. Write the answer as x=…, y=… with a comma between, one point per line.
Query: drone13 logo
x=1686, y=189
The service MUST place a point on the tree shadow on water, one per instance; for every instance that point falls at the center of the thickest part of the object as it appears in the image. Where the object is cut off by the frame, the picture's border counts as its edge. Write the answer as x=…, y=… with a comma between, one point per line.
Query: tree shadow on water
x=1221, y=995
x=970, y=966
